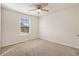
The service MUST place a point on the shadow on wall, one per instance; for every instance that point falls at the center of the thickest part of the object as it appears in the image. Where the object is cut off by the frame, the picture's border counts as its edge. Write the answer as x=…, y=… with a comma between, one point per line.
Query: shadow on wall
x=0, y=28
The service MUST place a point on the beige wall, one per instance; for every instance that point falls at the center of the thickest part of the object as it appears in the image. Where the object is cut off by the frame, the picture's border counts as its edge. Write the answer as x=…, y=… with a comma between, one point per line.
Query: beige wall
x=0, y=28
x=61, y=27
x=10, y=22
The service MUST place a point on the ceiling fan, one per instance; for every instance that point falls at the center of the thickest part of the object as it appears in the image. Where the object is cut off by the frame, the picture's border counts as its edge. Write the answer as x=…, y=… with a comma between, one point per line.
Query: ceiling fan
x=40, y=7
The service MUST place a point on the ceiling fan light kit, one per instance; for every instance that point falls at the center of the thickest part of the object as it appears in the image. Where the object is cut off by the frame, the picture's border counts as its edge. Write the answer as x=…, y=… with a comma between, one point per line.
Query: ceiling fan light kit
x=40, y=7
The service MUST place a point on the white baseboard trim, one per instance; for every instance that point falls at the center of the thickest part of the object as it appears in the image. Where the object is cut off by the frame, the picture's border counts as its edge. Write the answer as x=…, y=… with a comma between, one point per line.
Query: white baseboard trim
x=16, y=43
x=61, y=43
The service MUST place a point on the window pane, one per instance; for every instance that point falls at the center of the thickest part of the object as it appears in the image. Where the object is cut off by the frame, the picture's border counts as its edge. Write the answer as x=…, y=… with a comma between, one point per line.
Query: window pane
x=24, y=22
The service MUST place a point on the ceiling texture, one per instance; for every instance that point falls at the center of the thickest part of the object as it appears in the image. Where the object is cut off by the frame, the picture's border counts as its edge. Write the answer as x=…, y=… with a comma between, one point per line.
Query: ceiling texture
x=26, y=7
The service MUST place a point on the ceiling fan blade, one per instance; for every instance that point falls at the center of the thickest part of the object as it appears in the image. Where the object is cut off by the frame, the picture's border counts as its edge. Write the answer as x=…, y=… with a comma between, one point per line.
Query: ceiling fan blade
x=44, y=10
x=44, y=6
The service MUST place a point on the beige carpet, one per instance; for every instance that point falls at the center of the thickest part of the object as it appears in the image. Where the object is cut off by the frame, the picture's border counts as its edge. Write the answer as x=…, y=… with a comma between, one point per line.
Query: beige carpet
x=39, y=47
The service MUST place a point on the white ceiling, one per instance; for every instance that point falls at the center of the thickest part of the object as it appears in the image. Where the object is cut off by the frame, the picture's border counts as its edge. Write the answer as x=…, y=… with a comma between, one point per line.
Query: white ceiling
x=60, y=6
x=25, y=7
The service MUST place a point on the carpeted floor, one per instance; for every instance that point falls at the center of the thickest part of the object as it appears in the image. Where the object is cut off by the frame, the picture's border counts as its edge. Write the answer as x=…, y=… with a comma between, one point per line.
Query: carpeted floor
x=39, y=47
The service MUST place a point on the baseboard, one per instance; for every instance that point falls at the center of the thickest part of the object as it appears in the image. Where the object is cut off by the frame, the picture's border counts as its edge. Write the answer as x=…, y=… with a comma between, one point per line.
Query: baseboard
x=12, y=44
x=17, y=43
x=62, y=44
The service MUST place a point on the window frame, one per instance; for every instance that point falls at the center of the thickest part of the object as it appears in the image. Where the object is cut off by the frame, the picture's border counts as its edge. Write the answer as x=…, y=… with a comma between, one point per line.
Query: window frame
x=20, y=25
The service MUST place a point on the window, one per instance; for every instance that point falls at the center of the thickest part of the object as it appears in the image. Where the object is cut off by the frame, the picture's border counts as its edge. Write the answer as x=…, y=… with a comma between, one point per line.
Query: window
x=24, y=25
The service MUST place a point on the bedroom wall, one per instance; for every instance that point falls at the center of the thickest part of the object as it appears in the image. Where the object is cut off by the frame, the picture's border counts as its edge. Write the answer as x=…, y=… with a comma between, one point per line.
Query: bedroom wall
x=0, y=28
x=61, y=27
x=10, y=23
